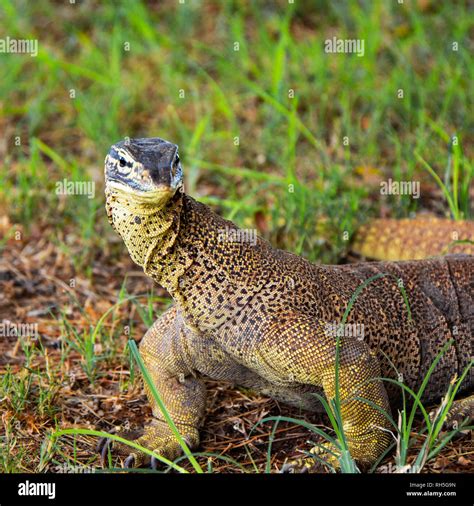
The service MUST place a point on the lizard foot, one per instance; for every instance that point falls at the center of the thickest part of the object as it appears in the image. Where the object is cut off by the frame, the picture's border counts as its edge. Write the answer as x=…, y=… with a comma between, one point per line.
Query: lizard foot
x=326, y=452
x=155, y=437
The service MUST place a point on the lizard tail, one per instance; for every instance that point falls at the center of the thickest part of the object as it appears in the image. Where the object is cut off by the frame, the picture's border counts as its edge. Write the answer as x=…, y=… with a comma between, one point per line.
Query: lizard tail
x=388, y=239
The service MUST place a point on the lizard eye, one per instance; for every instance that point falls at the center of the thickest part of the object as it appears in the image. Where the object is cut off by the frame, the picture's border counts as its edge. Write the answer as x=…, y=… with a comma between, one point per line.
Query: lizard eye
x=122, y=162
x=175, y=166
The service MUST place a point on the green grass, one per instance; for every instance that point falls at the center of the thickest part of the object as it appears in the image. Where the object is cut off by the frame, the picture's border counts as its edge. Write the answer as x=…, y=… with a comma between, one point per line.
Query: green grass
x=298, y=140
x=256, y=151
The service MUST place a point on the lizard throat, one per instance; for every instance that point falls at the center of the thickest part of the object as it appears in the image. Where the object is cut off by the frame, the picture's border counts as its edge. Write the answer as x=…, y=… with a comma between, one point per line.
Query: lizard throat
x=150, y=232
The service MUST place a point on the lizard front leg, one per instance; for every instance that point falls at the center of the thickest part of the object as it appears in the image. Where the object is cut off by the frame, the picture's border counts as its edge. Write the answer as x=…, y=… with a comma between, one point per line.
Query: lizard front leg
x=294, y=349
x=182, y=394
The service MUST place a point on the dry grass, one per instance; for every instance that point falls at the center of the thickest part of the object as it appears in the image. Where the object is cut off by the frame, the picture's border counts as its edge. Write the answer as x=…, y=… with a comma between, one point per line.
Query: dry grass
x=62, y=267
x=35, y=280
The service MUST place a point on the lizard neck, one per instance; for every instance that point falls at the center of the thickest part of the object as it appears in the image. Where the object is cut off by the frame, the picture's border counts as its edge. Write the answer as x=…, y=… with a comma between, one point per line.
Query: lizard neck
x=150, y=233
x=227, y=267
x=208, y=265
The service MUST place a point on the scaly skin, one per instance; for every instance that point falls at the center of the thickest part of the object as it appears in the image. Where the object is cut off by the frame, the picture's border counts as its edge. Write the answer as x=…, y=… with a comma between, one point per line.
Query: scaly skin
x=388, y=239
x=261, y=317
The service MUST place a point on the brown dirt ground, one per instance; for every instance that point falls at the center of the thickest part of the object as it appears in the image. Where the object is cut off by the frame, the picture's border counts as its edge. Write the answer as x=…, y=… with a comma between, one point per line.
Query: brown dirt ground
x=35, y=284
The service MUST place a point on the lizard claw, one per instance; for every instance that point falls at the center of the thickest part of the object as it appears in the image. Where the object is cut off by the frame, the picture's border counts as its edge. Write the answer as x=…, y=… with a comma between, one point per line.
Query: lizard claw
x=287, y=468
x=129, y=462
x=100, y=444
x=103, y=447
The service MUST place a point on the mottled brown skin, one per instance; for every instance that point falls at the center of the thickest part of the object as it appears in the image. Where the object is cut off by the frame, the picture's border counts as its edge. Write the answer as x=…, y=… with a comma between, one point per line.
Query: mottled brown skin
x=258, y=317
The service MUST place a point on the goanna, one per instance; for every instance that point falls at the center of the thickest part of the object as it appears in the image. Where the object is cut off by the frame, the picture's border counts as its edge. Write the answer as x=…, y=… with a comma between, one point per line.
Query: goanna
x=267, y=319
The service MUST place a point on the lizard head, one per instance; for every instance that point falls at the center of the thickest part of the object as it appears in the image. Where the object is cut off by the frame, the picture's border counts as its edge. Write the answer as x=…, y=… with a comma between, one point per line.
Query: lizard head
x=144, y=170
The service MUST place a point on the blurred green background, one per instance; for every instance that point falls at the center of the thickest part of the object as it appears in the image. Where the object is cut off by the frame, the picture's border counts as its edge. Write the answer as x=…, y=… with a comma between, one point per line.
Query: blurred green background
x=274, y=133
x=259, y=110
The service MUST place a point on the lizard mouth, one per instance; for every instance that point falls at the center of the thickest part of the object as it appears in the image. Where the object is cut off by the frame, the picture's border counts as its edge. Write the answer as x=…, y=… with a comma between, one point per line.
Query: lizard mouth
x=156, y=195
